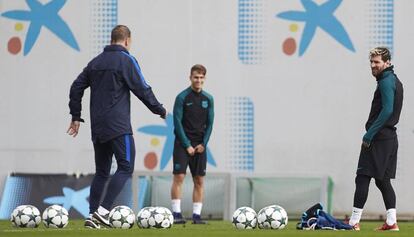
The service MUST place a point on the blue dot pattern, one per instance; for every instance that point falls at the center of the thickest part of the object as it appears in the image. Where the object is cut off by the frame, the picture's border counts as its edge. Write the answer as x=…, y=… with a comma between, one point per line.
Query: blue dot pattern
x=381, y=23
x=16, y=193
x=104, y=17
x=250, y=31
x=240, y=133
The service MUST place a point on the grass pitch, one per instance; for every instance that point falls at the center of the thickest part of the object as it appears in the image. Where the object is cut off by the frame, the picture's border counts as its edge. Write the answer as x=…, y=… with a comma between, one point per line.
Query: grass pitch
x=212, y=229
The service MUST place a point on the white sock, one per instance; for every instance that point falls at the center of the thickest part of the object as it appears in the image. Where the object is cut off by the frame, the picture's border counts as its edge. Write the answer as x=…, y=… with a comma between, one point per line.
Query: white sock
x=102, y=211
x=391, y=216
x=176, y=205
x=356, y=216
x=197, y=208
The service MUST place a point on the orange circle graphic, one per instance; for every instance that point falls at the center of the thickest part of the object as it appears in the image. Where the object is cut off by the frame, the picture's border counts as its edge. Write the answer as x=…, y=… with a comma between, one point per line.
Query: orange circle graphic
x=289, y=46
x=150, y=160
x=14, y=45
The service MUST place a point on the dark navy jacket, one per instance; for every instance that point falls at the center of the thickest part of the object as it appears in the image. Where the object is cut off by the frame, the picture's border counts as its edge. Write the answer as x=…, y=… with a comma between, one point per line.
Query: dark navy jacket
x=385, y=108
x=111, y=76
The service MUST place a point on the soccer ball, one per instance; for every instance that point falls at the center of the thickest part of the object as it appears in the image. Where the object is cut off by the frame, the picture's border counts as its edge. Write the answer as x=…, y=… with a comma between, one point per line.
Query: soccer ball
x=143, y=216
x=25, y=216
x=244, y=218
x=161, y=218
x=55, y=216
x=272, y=217
x=122, y=217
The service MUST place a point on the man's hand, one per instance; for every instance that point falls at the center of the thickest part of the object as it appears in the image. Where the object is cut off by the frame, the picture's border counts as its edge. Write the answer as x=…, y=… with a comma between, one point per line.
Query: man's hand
x=199, y=148
x=165, y=115
x=366, y=144
x=190, y=150
x=73, y=128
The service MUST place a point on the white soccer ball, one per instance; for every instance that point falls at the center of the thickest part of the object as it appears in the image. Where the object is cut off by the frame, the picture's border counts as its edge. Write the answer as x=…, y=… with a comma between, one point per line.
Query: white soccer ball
x=244, y=218
x=121, y=217
x=161, y=218
x=25, y=216
x=55, y=216
x=143, y=216
x=272, y=217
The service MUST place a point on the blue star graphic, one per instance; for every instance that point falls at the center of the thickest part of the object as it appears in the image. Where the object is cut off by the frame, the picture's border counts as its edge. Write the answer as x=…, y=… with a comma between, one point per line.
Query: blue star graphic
x=168, y=131
x=71, y=198
x=319, y=16
x=43, y=15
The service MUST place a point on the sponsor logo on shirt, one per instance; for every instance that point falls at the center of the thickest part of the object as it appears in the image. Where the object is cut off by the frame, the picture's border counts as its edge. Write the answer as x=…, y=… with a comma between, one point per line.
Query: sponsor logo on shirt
x=204, y=104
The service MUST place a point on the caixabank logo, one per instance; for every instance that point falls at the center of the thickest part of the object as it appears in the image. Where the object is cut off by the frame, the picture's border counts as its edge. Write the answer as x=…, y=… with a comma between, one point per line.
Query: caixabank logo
x=305, y=21
x=31, y=18
x=39, y=16
x=316, y=16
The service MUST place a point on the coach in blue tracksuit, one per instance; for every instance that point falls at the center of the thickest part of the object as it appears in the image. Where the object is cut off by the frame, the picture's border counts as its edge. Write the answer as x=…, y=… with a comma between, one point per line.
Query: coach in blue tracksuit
x=111, y=76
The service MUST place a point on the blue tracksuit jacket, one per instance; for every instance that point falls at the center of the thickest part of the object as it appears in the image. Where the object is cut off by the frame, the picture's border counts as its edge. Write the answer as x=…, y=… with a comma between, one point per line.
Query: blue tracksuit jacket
x=111, y=76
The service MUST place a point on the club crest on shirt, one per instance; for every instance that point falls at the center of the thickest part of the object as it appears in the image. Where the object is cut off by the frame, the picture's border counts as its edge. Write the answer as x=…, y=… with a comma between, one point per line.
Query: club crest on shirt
x=204, y=104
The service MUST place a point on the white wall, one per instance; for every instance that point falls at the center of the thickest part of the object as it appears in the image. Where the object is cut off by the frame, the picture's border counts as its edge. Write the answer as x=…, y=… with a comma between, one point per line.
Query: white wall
x=309, y=111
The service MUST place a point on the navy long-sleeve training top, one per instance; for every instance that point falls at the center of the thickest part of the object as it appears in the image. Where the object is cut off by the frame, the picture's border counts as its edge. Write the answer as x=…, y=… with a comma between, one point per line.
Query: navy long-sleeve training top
x=111, y=76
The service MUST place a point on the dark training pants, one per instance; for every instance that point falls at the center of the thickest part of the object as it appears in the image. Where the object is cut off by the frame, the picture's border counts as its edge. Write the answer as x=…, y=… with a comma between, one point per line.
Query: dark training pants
x=379, y=161
x=123, y=148
x=362, y=187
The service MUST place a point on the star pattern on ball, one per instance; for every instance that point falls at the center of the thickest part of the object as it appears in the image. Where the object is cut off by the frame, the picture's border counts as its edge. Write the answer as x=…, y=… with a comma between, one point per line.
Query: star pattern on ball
x=48, y=220
x=249, y=223
x=165, y=214
x=59, y=212
x=283, y=221
x=269, y=219
x=20, y=213
x=243, y=210
x=153, y=212
x=235, y=220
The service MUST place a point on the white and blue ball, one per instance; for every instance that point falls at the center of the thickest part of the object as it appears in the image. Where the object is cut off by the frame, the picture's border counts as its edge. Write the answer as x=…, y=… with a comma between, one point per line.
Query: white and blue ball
x=244, y=218
x=272, y=217
x=55, y=216
x=143, y=217
x=25, y=216
x=161, y=218
x=121, y=217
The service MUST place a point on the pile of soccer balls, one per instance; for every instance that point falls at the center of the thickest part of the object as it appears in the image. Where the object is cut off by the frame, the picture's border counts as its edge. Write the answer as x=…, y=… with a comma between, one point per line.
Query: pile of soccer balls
x=270, y=217
x=28, y=216
x=148, y=217
x=121, y=217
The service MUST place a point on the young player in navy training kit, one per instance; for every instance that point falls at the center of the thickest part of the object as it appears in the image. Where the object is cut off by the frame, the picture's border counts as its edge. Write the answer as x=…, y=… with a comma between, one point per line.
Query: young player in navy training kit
x=378, y=157
x=193, y=123
x=111, y=76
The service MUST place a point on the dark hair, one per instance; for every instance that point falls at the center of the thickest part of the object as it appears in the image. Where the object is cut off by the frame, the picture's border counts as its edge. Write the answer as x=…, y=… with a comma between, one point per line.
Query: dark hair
x=198, y=68
x=120, y=33
x=380, y=51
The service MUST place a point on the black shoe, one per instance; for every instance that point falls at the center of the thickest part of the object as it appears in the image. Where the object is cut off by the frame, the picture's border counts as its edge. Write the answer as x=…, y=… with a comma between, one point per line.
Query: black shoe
x=104, y=220
x=178, y=218
x=197, y=220
x=89, y=223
